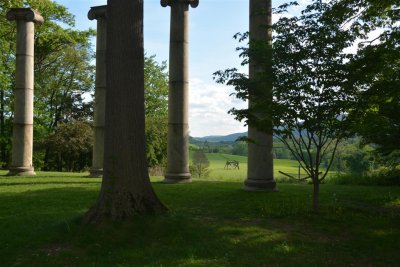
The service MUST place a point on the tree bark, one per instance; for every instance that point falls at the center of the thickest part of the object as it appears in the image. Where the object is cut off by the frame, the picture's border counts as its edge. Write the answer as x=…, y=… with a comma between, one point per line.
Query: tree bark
x=126, y=189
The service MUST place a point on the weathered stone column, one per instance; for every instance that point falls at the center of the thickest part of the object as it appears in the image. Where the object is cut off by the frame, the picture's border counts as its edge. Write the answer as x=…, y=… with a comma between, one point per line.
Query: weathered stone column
x=178, y=103
x=22, y=143
x=260, y=173
x=100, y=14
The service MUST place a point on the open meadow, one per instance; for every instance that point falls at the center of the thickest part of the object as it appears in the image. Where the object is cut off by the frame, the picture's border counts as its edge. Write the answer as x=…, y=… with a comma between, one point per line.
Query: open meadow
x=211, y=222
x=219, y=172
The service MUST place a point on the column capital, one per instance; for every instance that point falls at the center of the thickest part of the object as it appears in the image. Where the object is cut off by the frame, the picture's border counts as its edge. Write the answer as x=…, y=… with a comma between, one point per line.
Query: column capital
x=97, y=12
x=27, y=14
x=192, y=3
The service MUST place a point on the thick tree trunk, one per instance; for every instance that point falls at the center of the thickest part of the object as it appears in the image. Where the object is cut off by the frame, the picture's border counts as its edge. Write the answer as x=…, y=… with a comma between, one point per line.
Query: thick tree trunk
x=126, y=189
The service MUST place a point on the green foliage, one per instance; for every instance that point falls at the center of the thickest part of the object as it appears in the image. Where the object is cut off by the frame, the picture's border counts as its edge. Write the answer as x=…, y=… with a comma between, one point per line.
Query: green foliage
x=375, y=72
x=156, y=108
x=156, y=87
x=156, y=141
x=240, y=148
x=71, y=146
x=383, y=176
x=200, y=164
x=63, y=74
x=354, y=158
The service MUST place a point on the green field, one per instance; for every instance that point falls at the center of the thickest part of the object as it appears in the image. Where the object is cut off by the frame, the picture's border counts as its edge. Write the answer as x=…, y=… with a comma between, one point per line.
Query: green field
x=210, y=223
x=218, y=172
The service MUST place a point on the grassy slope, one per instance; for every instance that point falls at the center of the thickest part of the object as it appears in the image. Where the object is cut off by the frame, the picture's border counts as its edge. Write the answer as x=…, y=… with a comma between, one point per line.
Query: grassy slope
x=211, y=223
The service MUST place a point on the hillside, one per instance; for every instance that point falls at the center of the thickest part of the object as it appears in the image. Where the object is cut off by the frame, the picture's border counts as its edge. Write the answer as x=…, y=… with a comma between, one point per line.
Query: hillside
x=220, y=138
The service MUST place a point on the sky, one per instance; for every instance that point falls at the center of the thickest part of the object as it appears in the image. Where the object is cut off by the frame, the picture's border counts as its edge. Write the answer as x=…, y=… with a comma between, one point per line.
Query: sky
x=211, y=47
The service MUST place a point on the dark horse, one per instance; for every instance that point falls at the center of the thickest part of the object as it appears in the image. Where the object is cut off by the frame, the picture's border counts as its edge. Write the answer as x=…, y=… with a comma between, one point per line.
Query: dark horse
x=232, y=163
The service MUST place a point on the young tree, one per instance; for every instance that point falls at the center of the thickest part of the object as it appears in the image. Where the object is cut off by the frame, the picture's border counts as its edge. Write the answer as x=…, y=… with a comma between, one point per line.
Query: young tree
x=200, y=164
x=310, y=101
x=126, y=189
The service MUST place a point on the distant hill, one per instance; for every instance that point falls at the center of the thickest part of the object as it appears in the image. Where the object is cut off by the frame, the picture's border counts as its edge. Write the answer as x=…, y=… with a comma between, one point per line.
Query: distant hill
x=220, y=138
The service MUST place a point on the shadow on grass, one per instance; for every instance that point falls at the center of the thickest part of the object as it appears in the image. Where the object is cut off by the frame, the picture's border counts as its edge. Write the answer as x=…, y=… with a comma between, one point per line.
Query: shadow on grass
x=209, y=224
x=50, y=183
x=38, y=230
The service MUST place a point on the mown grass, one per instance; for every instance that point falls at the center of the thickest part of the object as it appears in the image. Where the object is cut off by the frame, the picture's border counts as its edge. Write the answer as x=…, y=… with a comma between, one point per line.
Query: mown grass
x=219, y=172
x=210, y=223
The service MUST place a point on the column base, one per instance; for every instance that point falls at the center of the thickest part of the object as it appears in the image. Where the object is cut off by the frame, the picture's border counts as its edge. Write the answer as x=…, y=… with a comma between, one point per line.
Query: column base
x=253, y=185
x=177, y=178
x=21, y=171
x=95, y=173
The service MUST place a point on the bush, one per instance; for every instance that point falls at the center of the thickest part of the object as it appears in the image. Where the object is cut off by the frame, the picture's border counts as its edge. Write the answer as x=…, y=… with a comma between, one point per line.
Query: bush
x=384, y=176
x=387, y=176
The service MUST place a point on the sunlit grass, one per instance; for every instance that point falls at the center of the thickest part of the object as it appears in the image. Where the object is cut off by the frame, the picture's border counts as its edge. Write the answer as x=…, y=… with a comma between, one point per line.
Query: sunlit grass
x=218, y=171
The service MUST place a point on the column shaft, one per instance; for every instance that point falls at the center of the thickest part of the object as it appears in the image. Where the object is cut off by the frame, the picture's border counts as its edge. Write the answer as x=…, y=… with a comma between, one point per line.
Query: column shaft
x=22, y=143
x=260, y=173
x=99, y=13
x=178, y=105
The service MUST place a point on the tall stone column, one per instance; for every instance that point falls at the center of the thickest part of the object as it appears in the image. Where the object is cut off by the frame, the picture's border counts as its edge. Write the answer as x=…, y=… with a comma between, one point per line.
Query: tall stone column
x=22, y=143
x=260, y=173
x=100, y=14
x=178, y=103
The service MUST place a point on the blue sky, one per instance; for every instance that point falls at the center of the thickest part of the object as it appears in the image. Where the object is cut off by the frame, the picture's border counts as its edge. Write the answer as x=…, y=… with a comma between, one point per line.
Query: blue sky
x=212, y=47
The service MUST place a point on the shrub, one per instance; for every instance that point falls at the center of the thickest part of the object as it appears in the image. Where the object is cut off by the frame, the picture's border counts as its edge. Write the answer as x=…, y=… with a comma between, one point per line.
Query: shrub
x=386, y=176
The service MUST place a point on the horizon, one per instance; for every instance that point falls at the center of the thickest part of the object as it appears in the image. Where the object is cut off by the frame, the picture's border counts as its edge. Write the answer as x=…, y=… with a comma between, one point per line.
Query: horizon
x=218, y=135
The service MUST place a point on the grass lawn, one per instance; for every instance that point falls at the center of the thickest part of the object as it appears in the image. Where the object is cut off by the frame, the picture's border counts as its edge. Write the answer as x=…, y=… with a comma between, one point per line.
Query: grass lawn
x=210, y=223
x=218, y=172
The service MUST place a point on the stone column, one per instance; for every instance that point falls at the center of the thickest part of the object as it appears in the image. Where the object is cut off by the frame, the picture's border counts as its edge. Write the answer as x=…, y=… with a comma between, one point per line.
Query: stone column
x=99, y=13
x=260, y=173
x=22, y=143
x=178, y=105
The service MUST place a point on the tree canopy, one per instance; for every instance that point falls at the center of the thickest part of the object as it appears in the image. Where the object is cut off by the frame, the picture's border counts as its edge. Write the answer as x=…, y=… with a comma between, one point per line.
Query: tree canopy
x=375, y=72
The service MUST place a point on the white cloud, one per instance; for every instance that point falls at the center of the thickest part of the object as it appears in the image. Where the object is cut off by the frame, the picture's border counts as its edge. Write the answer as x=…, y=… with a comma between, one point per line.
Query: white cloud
x=208, y=107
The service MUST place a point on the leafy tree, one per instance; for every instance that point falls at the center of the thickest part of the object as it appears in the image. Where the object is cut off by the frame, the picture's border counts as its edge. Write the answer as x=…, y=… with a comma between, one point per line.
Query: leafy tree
x=156, y=145
x=126, y=189
x=353, y=158
x=376, y=74
x=200, y=164
x=156, y=105
x=71, y=146
x=310, y=96
x=240, y=148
